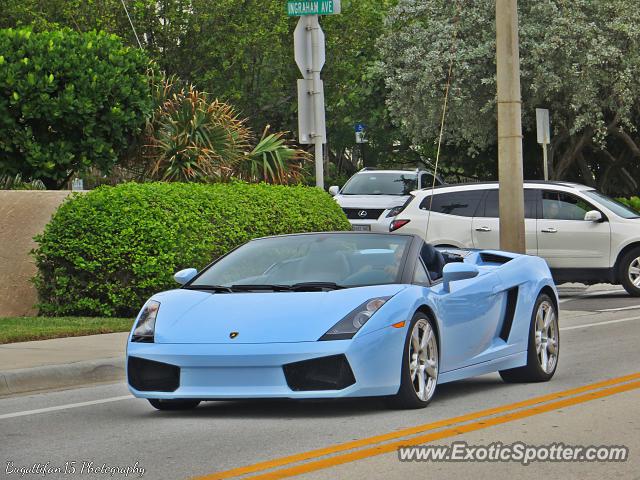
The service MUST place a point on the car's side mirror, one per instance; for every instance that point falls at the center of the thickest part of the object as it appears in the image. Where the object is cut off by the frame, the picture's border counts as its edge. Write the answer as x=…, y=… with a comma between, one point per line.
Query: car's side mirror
x=453, y=272
x=183, y=276
x=334, y=190
x=593, y=216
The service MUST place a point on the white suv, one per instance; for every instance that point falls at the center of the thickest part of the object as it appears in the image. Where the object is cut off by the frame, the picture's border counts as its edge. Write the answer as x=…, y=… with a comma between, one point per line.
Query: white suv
x=583, y=235
x=371, y=198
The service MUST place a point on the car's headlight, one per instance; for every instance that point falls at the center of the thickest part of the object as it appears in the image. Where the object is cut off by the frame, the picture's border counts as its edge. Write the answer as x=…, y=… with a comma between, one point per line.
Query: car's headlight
x=146, y=326
x=349, y=325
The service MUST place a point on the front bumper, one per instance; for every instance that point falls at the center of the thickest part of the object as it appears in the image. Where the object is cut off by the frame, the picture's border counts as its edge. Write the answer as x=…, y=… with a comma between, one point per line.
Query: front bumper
x=234, y=371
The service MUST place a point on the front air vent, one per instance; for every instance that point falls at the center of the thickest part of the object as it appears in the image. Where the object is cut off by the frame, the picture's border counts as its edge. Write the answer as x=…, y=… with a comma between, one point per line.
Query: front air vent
x=150, y=376
x=326, y=373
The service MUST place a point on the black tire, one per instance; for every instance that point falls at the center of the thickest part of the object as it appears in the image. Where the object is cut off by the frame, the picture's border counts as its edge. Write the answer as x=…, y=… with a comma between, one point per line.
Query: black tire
x=623, y=272
x=407, y=398
x=533, y=371
x=173, y=405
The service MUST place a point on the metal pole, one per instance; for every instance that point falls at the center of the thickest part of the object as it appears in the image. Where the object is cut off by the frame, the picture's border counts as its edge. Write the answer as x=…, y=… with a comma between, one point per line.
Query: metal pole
x=314, y=25
x=546, y=163
x=512, y=234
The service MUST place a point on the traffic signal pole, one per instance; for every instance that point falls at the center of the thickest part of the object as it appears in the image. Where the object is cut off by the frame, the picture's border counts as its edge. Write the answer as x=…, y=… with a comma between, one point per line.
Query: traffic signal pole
x=512, y=233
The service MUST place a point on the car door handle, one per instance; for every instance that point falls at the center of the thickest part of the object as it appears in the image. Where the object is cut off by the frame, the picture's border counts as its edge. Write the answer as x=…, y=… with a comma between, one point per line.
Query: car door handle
x=549, y=230
x=483, y=229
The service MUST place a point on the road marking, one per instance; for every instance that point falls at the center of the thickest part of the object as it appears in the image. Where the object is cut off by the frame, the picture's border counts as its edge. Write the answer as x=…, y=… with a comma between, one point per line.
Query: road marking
x=632, y=307
x=457, y=430
x=597, y=324
x=590, y=294
x=451, y=422
x=64, y=407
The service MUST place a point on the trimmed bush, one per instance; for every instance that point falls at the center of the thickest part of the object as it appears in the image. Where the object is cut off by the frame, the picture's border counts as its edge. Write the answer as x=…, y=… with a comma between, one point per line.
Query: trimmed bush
x=105, y=252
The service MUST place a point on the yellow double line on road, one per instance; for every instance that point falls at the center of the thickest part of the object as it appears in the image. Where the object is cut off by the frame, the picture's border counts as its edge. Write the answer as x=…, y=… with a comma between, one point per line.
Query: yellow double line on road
x=313, y=460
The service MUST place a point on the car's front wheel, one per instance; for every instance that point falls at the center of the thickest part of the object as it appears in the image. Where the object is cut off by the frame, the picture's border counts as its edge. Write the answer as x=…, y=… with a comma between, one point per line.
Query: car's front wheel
x=629, y=272
x=544, y=345
x=173, y=404
x=420, y=364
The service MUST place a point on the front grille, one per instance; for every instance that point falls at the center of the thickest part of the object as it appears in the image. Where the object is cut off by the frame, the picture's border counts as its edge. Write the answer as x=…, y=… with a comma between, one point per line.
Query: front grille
x=326, y=373
x=149, y=376
x=357, y=213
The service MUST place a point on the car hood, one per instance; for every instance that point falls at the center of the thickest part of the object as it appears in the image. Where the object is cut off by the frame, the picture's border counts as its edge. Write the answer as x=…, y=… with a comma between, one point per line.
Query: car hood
x=370, y=201
x=188, y=316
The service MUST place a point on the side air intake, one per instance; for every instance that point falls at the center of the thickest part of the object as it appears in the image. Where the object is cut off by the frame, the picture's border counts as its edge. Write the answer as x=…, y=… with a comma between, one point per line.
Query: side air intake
x=512, y=300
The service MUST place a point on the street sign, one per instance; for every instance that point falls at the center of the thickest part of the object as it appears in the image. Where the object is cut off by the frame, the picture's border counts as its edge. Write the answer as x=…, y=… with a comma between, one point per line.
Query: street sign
x=306, y=113
x=298, y=8
x=544, y=137
x=303, y=47
x=542, y=124
x=361, y=136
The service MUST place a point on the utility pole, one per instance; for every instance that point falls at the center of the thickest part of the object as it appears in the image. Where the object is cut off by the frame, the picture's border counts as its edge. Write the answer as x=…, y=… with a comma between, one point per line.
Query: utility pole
x=317, y=47
x=512, y=233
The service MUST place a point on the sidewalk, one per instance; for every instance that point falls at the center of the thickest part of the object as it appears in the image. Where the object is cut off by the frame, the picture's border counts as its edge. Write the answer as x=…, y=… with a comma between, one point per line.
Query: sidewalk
x=61, y=363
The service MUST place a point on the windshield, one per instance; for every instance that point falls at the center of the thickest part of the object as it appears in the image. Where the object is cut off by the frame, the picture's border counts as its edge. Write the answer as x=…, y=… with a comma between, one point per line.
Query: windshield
x=615, y=206
x=333, y=259
x=378, y=183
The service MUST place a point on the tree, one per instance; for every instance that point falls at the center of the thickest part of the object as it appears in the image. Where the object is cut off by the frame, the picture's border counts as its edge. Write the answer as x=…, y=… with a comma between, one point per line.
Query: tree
x=68, y=101
x=193, y=137
x=241, y=52
x=579, y=59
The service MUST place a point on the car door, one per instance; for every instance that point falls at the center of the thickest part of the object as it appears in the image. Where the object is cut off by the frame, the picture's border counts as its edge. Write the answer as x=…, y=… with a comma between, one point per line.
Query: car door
x=471, y=315
x=485, y=229
x=565, y=238
x=450, y=220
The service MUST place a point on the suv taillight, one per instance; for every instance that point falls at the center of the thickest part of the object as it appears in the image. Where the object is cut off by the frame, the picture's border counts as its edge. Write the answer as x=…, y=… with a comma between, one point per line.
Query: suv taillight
x=396, y=224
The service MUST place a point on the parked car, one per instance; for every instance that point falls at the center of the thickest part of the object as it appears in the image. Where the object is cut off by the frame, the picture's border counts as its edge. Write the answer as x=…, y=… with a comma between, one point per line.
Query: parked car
x=371, y=198
x=583, y=235
x=328, y=315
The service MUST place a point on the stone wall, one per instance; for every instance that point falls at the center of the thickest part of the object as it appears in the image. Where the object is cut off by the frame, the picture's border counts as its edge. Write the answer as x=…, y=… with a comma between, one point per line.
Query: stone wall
x=23, y=214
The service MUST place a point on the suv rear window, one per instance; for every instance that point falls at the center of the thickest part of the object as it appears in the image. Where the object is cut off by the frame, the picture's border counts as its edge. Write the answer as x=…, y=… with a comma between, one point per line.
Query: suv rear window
x=463, y=204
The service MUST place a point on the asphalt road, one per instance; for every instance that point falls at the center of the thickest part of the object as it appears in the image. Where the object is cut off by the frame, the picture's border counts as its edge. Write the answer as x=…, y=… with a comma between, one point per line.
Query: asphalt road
x=600, y=340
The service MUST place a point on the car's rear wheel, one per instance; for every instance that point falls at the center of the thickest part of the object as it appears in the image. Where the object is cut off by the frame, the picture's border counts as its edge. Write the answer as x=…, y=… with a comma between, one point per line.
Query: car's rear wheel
x=629, y=272
x=420, y=364
x=544, y=345
x=174, y=404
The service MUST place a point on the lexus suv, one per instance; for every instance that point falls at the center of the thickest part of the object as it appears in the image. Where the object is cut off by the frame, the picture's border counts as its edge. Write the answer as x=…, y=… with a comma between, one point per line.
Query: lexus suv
x=371, y=198
x=583, y=235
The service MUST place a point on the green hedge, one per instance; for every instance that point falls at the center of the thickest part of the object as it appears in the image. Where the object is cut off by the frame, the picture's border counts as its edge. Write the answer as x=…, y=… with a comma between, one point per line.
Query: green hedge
x=105, y=252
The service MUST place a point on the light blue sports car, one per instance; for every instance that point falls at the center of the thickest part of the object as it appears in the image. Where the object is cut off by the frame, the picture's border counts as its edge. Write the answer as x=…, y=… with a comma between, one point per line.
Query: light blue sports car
x=327, y=315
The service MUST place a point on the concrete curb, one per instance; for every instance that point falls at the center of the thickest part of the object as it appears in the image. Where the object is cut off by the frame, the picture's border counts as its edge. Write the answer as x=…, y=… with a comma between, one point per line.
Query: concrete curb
x=60, y=376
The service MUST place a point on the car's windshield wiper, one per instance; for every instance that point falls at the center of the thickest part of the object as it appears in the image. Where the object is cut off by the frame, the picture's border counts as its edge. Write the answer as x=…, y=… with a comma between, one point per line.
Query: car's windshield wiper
x=249, y=288
x=298, y=287
x=210, y=288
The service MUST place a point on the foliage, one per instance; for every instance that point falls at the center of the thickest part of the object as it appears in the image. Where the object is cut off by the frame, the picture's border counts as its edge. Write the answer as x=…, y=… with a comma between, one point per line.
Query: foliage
x=194, y=138
x=68, y=101
x=24, y=329
x=242, y=53
x=191, y=137
x=272, y=161
x=105, y=252
x=15, y=182
x=633, y=202
x=579, y=59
